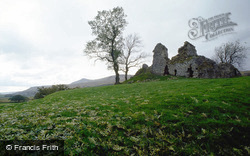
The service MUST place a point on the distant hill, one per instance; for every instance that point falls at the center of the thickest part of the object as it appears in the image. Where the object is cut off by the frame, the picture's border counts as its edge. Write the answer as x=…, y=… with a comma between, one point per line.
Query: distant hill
x=28, y=92
x=79, y=83
x=98, y=82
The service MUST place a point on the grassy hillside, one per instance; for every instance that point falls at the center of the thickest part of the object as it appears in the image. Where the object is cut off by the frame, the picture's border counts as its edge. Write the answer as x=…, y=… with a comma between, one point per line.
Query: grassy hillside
x=168, y=117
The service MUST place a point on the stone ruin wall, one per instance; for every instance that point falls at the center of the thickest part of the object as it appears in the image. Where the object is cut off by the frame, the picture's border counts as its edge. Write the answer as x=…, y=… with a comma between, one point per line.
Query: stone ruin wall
x=160, y=59
x=188, y=64
x=181, y=69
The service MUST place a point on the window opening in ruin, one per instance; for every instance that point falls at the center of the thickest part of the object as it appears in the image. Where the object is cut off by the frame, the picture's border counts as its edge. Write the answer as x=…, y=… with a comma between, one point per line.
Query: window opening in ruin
x=235, y=72
x=175, y=72
x=166, y=72
x=190, y=71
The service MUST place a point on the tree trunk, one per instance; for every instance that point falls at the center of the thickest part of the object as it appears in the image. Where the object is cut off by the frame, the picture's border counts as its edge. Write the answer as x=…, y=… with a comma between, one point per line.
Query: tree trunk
x=126, y=74
x=115, y=64
x=117, y=77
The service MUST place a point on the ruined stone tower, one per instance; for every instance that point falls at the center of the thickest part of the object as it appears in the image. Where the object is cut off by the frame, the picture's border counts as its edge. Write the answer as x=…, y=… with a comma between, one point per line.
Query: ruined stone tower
x=160, y=59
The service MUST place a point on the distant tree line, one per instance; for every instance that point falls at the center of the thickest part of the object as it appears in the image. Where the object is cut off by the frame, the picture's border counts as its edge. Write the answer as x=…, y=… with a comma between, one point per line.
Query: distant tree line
x=18, y=98
x=44, y=91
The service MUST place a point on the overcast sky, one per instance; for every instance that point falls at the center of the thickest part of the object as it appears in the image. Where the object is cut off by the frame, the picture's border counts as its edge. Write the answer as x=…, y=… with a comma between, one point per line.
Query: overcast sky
x=42, y=41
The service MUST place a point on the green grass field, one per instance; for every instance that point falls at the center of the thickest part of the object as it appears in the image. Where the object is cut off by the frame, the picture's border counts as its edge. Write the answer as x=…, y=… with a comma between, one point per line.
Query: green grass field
x=178, y=116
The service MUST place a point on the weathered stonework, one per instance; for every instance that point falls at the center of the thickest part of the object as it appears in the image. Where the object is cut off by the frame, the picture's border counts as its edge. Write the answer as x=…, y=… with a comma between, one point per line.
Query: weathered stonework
x=187, y=63
x=145, y=66
x=187, y=50
x=160, y=59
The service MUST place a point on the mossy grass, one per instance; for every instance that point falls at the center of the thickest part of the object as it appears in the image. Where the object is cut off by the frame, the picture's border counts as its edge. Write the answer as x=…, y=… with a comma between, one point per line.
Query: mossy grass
x=160, y=116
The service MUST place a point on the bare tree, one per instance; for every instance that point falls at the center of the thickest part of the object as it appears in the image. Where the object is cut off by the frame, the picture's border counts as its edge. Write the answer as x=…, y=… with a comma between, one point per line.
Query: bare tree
x=132, y=54
x=230, y=52
x=107, y=46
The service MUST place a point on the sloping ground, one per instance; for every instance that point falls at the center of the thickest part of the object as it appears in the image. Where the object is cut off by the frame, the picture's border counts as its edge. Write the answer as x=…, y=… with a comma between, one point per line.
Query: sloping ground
x=170, y=117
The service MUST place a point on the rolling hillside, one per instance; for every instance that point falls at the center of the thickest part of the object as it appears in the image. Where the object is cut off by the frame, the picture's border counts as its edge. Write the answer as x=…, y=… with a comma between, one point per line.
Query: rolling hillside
x=98, y=82
x=30, y=92
x=175, y=116
x=80, y=83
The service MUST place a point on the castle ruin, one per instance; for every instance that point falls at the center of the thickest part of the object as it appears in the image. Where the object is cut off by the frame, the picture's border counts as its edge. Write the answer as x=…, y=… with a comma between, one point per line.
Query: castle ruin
x=188, y=63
